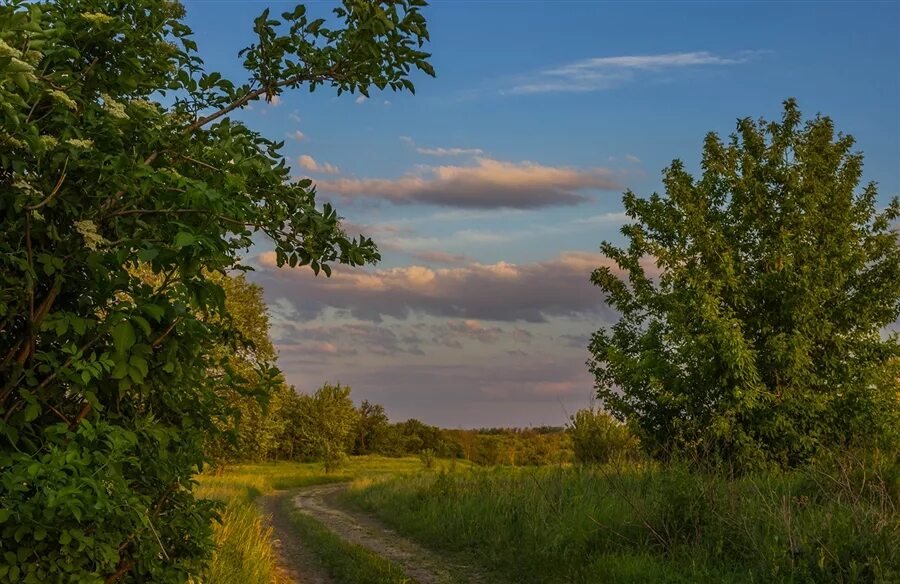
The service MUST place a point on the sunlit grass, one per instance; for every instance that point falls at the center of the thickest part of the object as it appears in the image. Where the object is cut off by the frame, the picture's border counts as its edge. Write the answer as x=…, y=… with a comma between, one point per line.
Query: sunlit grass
x=244, y=553
x=653, y=523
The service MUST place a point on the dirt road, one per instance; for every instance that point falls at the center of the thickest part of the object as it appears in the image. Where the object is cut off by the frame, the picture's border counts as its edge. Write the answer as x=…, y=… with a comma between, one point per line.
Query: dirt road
x=320, y=503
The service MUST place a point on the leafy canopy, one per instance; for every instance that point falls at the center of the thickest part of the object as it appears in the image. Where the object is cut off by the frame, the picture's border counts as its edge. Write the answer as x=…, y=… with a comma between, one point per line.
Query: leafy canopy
x=117, y=155
x=756, y=337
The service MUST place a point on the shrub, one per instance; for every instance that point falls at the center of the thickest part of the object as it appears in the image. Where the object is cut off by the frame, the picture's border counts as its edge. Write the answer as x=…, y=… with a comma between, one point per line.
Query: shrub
x=597, y=437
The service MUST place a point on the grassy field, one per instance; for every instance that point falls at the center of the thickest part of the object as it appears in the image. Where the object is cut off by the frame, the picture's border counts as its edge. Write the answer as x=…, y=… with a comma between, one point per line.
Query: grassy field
x=635, y=523
x=244, y=553
x=837, y=523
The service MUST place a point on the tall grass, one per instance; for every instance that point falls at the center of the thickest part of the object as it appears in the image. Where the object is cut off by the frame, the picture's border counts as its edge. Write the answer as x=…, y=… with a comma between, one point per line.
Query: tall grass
x=837, y=522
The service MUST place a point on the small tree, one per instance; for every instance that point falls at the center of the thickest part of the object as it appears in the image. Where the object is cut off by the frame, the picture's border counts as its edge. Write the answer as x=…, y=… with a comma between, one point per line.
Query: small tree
x=372, y=430
x=760, y=341
x=326, y=425
x=598, y=438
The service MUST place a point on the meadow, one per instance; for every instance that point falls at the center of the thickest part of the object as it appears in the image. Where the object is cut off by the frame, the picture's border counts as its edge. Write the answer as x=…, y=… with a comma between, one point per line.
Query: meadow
x=834, y=522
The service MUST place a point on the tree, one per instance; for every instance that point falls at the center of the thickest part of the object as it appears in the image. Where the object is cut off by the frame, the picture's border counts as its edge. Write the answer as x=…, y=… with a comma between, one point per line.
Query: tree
x=372, y=429
x=325, y=425
x=254, y=418
x=117, y=150
x=759, y=340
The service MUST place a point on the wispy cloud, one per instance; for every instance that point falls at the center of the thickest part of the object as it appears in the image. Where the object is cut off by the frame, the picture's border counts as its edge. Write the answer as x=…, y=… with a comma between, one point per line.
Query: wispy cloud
x=297, y=135
x=601, y=73
x=440, y=257
x=489, y=184
x=309, y=163
x=442, y=151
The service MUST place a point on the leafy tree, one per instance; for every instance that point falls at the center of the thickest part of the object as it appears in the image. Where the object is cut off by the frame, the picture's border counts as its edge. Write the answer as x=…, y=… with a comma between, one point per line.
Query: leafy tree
x=372, y=430
x=254, y=417
x=116, y=150
x=761, y=341
x=598, y=438
x=325, y=425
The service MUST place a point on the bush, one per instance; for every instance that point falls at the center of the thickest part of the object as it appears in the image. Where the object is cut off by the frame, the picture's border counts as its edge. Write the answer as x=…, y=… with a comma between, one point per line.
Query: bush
x=427, y=457
x=598, y=438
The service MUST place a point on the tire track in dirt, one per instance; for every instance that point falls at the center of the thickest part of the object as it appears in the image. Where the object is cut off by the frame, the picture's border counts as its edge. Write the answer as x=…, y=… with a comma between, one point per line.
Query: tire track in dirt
x=297, y=563
x=320, y=503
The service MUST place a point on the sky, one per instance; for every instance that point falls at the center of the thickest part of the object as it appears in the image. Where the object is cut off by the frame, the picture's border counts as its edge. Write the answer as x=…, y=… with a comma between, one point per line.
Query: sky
x=490, y=190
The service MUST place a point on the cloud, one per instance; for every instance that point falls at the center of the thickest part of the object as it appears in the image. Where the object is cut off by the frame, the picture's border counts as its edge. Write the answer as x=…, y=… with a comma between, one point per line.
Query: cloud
x=632, y=158
x=601, y=73
x=361, y=99
x=352, y=338
x=297, y=135
x=440, y=257
x=497, y=292
x=603, y=218
x=472, y=329
x=490, y=184
x=309, y=163
x=442, y=151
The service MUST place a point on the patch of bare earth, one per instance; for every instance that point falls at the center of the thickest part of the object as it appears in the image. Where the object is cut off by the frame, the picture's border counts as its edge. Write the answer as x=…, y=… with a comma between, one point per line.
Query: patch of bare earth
x=424, y=566
x=296, y=562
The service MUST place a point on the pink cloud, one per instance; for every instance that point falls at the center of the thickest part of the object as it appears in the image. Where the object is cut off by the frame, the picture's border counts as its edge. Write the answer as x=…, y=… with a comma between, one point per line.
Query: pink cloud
x=488, y=184
x=309, y=163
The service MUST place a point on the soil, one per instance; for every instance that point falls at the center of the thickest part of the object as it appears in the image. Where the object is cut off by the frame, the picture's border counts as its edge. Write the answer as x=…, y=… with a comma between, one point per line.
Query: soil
x=321, y=503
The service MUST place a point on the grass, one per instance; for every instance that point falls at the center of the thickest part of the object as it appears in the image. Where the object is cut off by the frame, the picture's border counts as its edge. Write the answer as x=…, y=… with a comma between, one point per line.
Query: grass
x=836, y=523
x=345, y=562
x=244, y=553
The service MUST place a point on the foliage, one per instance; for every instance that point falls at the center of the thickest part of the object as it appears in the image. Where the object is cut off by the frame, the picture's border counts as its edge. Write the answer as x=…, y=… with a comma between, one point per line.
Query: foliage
x=834, y=522
x=597, y=437
x=760, y=342
x=116, y=151
x=427, y=457
x=372, y=434
x=322, y=426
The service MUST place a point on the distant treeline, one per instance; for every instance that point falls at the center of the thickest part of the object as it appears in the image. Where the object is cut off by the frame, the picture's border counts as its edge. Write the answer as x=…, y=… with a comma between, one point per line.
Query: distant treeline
x=327, y=426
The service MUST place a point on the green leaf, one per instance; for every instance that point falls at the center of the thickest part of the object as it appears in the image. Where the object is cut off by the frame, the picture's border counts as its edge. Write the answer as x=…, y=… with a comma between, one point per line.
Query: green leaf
x=123, y=336
x=183, y=239
x=32, y=411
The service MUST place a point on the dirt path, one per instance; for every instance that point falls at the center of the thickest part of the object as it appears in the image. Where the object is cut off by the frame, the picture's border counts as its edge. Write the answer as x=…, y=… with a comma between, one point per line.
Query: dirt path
x=320, y=503
x=296, y=562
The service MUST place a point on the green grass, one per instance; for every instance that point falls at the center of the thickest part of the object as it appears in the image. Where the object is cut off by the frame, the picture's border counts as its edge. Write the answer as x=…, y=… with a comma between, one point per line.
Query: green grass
x=651, y=524
x=244, y=553
x=345, y=562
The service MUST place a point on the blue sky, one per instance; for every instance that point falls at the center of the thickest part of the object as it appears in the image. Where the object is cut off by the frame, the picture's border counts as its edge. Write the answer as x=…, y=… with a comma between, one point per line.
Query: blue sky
x=490, y=190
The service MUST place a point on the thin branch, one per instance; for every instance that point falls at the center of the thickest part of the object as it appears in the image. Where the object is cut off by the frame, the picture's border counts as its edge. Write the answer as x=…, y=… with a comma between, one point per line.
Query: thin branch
x=240, y=102
x=55, y=190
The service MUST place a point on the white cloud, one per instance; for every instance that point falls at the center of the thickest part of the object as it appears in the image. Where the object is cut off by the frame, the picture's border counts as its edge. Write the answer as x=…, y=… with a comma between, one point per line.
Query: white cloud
x=632, y=158
x=442, y=151
x=309, y=163
x=607, y=72
x=297, y=135
x=361, y=99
